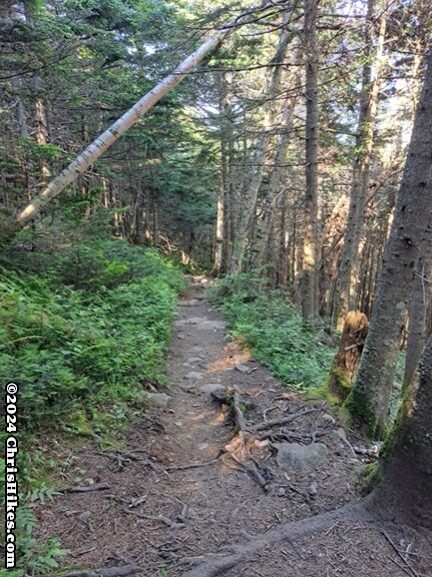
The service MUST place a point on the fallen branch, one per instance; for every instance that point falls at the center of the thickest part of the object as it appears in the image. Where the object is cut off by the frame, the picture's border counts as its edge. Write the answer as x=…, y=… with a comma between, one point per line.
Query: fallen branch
x=160, y=518
x=122, y=458
x=89, y=488
x=191, y=466
x=410, y=569
x=253, y=473
x=106, y=572
x=218, y=563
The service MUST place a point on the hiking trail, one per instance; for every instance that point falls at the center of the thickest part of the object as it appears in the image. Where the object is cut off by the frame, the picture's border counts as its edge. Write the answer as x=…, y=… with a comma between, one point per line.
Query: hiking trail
x=189, y=481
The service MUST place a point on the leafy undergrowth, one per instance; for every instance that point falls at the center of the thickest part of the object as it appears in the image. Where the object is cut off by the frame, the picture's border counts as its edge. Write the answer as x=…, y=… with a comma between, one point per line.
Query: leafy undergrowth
x=272, y=328
x=83, y=338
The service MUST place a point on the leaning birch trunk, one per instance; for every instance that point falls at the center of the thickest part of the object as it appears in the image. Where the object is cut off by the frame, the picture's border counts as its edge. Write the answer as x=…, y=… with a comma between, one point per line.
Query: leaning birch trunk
x=116, y=130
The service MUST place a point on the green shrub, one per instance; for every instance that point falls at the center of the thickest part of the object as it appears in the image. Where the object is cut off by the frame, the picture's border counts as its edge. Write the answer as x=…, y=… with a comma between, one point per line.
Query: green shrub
x=273, y=329
x=83, y=336
x=71, y=349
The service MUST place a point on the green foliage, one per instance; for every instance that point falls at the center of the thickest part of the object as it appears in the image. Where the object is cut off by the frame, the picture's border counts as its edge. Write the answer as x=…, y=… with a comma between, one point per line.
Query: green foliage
x=38, y=557
x=34, y=557
x=273, y=329
x=82, y=337
x=77, y=352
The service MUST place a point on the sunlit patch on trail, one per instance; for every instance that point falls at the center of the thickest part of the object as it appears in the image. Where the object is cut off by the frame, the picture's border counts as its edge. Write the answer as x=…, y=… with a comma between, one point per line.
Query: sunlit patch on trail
x=232, y=354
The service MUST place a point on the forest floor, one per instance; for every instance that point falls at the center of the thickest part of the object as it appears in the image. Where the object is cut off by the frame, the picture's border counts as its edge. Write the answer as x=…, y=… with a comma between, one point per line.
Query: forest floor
x=153, y=510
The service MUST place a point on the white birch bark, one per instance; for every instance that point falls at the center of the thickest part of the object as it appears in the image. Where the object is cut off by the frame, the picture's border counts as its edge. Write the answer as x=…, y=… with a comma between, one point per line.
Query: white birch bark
x=129, y=118
x=116, y=130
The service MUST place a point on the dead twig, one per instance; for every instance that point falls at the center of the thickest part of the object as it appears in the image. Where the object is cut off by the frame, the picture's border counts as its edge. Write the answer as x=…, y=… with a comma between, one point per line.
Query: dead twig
x=253, y=473
x=268, y=411
x=88, y=489
x=160, y=518
x=191, y=466
x=399, y=554
x=138, y=501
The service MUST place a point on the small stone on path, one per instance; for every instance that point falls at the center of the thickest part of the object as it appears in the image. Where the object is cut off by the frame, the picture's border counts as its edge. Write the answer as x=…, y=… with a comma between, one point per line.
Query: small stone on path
x=159, y=399
x=243, y=368
x=194, y=375
x=212, y=388
x=195, y=360
x=313, y=488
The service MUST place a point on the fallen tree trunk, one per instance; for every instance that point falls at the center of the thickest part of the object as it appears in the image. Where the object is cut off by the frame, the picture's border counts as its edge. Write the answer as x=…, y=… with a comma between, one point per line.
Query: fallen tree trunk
x=116, y=130
x=120, y=126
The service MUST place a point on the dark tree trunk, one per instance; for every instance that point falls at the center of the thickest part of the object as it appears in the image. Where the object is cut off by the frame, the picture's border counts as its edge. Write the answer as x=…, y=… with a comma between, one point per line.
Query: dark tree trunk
x=310, y=247
x=419, y=301
x=406, y=465
x=411, y=228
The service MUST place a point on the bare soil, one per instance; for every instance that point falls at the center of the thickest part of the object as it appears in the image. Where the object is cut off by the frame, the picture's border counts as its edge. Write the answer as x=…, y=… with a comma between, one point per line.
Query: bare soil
x=165, y=518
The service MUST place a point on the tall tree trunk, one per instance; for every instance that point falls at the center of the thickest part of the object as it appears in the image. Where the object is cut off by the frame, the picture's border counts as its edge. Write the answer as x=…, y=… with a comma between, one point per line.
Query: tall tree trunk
x=406, y=465
x=419, y=302
x=262, y=148
x=222, y=193
x=310, y=246
x=346, y=285
x=411, y=229
x=22, y=117
x=264, y=225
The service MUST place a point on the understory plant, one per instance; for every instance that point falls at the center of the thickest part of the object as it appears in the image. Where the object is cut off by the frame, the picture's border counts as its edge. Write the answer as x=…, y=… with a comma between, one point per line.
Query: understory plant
x=84, y=335
x=272, y=328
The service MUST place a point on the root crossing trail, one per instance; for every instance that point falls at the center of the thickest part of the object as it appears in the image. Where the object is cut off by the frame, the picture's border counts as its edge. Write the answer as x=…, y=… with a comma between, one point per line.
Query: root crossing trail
x=187, y=483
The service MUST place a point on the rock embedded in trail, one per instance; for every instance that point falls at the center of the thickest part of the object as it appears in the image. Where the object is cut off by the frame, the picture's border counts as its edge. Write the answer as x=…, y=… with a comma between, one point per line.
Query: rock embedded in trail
x=212, y=388
x=294, y=456
x=190, y=303
x=194, y=375
x=244, y=369
x=329, y=419
x=160, y=400
x=313, y=488
x=192, y=360
x=212, y=325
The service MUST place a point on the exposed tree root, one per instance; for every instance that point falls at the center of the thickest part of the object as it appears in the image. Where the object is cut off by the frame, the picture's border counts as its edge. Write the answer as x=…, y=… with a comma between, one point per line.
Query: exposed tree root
x=239, y=416
x=284, y=420
x=106, y=572
x=217, y=563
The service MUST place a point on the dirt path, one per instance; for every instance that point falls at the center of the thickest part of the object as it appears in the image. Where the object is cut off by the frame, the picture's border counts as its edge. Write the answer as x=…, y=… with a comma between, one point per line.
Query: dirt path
x=164, y=518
